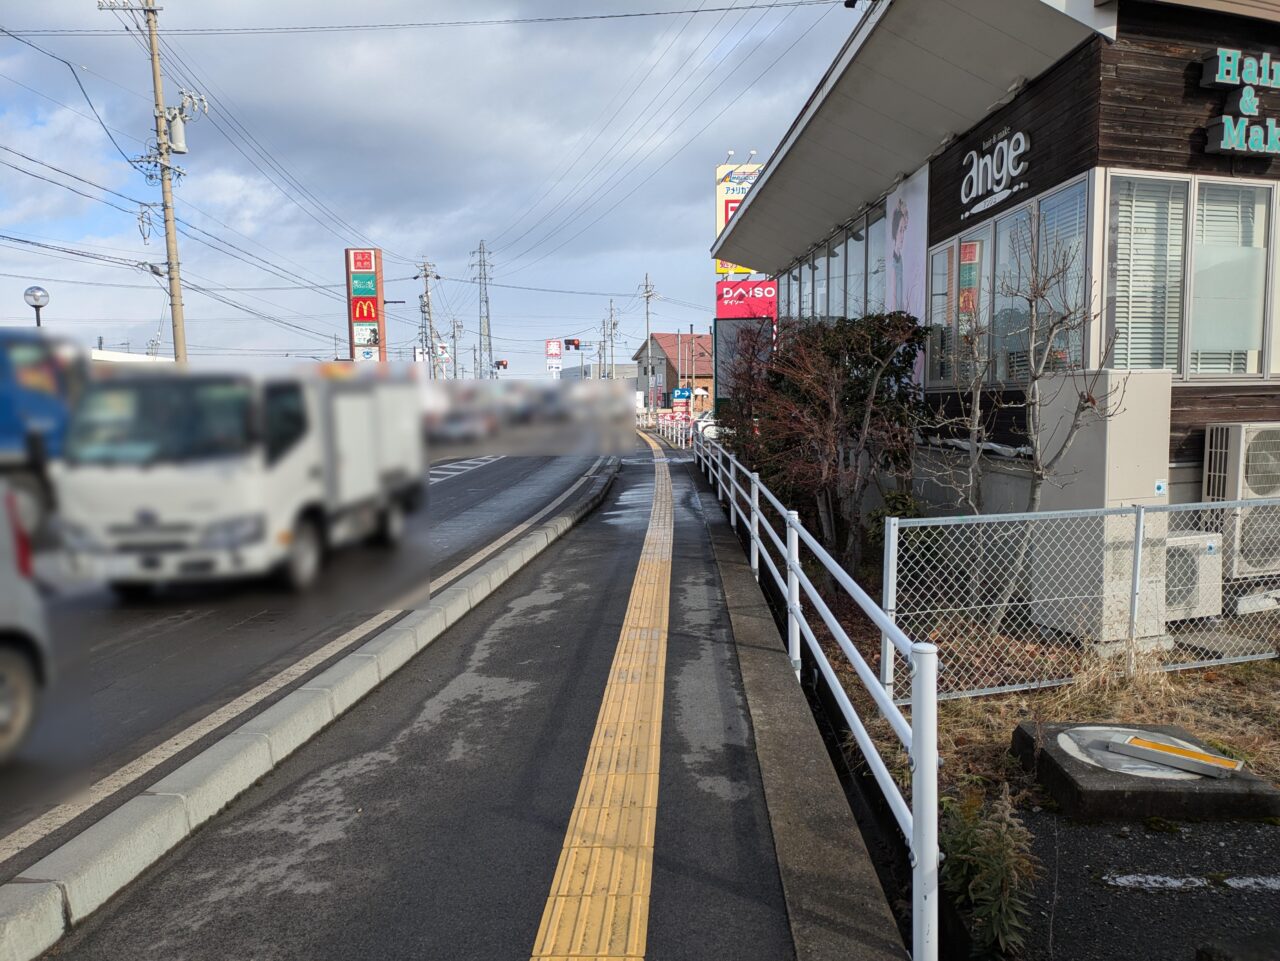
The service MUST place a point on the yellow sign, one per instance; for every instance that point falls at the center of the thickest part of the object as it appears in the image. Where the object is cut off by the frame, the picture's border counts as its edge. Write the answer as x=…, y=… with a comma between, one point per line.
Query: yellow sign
x=732, y=183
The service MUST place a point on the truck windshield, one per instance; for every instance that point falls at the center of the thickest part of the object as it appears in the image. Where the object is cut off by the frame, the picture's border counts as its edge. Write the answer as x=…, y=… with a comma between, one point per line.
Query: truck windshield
x=161, y=421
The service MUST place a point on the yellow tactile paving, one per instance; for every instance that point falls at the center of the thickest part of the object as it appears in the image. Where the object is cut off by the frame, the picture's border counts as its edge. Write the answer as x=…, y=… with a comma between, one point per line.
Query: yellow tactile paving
x=598, y=906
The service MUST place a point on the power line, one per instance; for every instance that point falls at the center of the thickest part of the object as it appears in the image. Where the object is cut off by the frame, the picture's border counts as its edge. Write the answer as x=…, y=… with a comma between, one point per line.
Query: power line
x=505, y=21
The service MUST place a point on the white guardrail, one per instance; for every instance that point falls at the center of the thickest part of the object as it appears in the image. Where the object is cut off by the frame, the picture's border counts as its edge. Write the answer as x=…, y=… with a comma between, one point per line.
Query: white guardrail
x=748, y=501
x=674, y=432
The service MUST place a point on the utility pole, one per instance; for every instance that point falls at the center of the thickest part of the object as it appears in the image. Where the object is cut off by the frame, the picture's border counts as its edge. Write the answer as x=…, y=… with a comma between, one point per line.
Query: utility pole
x=475, y=362
x=486, y=339
x=648, y=348
x=693, y=369
x=455, y=329
x=613, y=351
x=427, y=328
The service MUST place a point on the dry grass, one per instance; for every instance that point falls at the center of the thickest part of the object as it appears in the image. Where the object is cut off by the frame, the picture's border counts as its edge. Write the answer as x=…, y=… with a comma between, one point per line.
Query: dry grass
x=1234, y=708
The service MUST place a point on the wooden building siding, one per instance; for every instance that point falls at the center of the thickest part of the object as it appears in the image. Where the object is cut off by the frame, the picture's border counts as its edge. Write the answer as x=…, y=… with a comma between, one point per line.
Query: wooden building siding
x=1058, y=111
x=1195, y=407
x=1153, y=111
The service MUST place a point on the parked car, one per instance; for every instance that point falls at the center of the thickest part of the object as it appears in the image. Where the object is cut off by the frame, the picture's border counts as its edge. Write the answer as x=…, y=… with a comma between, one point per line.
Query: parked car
x=24, y=636
x=705, y=424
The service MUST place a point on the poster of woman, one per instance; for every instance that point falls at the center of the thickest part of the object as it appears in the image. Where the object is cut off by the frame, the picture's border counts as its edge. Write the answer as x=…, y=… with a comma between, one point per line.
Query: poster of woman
x=906, y=221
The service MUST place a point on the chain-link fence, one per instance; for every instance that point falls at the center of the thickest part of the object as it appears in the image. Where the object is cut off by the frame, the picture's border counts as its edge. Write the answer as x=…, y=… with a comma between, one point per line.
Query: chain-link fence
x=1017, y=601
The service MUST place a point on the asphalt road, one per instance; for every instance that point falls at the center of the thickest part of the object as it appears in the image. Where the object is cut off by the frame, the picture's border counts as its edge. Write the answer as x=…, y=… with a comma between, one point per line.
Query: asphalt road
x=427, y=822
x=130, y=676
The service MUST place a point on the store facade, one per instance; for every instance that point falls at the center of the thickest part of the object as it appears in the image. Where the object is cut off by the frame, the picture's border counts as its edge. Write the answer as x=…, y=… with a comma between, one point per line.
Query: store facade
x=1130, y=188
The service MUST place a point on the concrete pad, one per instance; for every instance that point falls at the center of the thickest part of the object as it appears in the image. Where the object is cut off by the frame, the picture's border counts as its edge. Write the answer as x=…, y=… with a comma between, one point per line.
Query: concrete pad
x=216, y=776
x=291, y=722
x=1076, y=778
x=392, y=648
x=102, y=859
x=30, y=920
x=347, y=681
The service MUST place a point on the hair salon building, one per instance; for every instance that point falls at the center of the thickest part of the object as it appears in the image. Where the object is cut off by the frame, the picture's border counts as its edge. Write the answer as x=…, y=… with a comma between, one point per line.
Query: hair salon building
x=1138, y=140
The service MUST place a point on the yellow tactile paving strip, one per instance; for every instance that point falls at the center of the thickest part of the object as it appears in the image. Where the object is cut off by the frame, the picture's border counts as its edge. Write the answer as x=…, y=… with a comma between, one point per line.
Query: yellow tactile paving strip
x=599, y=901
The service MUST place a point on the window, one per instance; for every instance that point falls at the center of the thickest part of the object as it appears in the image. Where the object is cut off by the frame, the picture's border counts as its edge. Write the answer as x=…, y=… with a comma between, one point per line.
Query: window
x=973, y=307
x=1063, y=249
x=1229, y=285
x=875, y=261
x=793, y=284
x=941, y=313
x=784, y=295
x=806, y=290
x=835, y=277
x=821, y=306
x=33, y=367
x=285, y=414
x=1146, y=266
x=1010, y=328
x=856, y=271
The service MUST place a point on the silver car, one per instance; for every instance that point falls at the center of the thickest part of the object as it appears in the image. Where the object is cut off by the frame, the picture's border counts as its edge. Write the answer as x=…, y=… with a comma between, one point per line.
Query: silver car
x=24, y=633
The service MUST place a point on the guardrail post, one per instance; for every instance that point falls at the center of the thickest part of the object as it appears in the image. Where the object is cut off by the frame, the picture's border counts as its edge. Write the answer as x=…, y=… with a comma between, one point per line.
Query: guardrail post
x=1139, y=535
x=925, y=856
x=733, y=497
x=720, y=475
x=890, y=598
x=793, y=590
x=755, y=526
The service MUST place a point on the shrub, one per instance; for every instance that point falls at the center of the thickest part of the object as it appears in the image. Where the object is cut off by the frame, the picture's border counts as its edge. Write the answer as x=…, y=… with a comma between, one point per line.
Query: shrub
x=990, y=870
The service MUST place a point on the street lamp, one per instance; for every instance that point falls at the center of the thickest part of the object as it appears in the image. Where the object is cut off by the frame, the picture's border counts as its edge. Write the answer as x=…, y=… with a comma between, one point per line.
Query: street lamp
x=37, y=297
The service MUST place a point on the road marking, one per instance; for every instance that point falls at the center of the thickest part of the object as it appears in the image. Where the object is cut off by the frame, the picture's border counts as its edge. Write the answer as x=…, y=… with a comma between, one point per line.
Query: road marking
x=52, y=820
x=598, y=906
x=452, y=469
x=419, y=594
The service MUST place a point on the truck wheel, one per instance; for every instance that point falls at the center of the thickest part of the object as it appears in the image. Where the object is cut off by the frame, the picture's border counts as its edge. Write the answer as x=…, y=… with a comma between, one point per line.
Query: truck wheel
x=131, y=592
x=306, y=554
x=18, y=695
x=391, y=525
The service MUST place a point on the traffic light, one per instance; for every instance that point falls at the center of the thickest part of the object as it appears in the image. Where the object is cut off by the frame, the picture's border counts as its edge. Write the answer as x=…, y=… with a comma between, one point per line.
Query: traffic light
x=572, y=343
x=500, y=365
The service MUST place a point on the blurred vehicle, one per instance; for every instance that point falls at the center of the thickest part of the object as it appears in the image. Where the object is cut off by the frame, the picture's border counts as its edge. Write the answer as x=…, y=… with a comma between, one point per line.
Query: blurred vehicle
x=40, y=378
x=706, y=425
x=173, y=476
x=24, y=636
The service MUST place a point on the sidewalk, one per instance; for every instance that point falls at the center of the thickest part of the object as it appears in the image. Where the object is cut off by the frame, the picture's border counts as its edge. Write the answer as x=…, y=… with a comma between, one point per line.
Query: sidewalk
x=608, y=758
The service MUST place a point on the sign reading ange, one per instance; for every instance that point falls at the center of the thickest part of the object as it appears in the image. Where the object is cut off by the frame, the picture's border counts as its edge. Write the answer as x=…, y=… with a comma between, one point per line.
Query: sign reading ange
x=746, y=298
x=365, y=324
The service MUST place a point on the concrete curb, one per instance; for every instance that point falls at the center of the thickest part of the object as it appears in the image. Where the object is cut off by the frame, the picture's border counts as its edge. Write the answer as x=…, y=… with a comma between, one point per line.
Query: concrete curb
x=835, y=903
x=42, y=904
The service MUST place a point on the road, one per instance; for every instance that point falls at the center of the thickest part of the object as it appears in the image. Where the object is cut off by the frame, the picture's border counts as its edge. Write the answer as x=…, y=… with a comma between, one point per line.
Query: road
x=447, y=814
x=130, y=677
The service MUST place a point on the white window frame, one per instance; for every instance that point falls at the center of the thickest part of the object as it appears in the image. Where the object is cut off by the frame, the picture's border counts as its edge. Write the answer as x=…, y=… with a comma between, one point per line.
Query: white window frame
x=1183, y=375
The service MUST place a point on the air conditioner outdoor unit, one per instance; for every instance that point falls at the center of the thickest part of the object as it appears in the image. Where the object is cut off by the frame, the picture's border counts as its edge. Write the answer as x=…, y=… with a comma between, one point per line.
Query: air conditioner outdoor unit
x=1193, y=575
x=1242, y=463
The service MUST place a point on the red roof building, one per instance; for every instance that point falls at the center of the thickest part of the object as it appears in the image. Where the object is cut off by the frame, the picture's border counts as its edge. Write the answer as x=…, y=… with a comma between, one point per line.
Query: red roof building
x=678, y=360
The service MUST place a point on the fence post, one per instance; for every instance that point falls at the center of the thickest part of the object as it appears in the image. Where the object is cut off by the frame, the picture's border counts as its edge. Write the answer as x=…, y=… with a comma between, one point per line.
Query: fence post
x=1139, y=535
x=925, y=856
x=890, y=598
x=755, y=525
x=793, y=590
x=720, y=475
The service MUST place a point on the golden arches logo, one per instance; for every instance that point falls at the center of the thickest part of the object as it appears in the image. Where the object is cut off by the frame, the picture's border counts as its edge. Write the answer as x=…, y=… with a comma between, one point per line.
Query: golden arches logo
x=364, y=310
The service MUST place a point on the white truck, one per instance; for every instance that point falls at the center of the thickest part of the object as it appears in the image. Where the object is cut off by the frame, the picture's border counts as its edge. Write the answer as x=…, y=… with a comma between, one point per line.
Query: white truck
x=177, y=476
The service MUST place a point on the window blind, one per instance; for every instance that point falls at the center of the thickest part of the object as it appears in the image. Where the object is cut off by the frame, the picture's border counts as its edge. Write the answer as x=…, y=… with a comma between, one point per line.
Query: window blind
x=1148, y=238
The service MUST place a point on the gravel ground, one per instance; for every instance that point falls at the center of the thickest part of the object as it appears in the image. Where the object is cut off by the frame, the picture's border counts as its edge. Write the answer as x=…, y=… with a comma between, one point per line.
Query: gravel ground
x=1222, y=880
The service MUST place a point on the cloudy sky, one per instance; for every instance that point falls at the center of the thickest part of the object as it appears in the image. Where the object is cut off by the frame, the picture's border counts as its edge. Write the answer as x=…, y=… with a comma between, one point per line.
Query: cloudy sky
x=581, y=152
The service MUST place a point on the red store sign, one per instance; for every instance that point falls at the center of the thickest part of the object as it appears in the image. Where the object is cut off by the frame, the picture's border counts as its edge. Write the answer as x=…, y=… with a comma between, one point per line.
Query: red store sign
x=746, y=298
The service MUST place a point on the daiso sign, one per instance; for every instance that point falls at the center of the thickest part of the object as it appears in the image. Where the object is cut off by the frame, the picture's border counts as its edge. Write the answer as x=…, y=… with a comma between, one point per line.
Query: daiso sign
x=746, y=298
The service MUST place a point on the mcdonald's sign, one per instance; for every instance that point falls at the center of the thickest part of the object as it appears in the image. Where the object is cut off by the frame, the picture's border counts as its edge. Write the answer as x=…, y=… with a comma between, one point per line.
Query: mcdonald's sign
x=365, y=297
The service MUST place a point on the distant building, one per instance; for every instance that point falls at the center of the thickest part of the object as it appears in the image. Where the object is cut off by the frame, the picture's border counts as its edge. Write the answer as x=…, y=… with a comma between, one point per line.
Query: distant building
x=625, y=371
x=679, y=360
